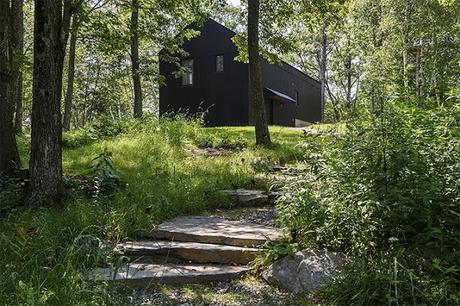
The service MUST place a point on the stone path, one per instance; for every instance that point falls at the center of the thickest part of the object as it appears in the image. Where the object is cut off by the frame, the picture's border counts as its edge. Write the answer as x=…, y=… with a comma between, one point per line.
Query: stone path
x=190, y=250
x=281, y=176
x=264, y=215
x=251, y=198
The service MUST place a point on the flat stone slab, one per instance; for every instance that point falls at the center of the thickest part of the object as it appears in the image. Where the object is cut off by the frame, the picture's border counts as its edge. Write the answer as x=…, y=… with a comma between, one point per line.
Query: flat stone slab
x=193, y=251
x=215, y=230
x=248, y=197
x=140, y=275
x=279, y=168
x=265, y=215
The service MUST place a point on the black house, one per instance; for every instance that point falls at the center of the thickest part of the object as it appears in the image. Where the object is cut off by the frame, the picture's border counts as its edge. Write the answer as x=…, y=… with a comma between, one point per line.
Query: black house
x=217, y=83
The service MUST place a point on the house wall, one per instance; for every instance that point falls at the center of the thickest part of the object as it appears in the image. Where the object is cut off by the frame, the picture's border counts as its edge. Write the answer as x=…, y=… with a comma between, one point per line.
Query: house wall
x=225, y=93
x=288, y=80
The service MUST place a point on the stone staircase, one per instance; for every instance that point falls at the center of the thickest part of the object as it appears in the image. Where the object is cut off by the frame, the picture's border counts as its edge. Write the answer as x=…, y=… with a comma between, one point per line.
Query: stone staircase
x=189, y=250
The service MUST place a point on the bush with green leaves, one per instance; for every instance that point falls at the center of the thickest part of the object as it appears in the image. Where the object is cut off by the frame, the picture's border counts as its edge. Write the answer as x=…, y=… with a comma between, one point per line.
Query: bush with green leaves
x=385, y=191
x=11, y=192
x=104, y=176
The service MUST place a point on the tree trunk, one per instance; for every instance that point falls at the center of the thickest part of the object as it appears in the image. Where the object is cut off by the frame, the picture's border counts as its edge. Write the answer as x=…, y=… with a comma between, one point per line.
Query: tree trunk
x=418, y=54
x=70, y=74
x=17, y=22
x=322, y=70
x=135, y=59
x=255, y=75
x=51, y=30
x=9, y=157
x=349, y=79
x=406, y=45
x=405, y=68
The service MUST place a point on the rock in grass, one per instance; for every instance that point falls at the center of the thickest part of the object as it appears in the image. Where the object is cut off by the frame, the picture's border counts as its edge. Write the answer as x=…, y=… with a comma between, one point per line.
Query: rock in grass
x=304, y=271
x=90, y=245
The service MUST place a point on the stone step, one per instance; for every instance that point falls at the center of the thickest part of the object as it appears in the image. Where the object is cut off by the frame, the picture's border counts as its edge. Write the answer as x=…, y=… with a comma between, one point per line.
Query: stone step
x=214, y=230
x=248, y=197
x=140, y=275
x=193, y=251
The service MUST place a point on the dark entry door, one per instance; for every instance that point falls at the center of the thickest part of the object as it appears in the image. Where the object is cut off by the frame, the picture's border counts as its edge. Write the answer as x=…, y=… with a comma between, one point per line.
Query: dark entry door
x=269, y=110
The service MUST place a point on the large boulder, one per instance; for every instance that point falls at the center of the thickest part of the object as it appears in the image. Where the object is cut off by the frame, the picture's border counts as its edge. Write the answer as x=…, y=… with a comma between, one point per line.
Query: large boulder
x=304, y=271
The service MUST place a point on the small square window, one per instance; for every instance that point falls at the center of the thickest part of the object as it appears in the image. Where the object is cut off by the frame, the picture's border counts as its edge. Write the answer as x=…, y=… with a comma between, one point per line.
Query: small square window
x=187, y=77
x=219, y=63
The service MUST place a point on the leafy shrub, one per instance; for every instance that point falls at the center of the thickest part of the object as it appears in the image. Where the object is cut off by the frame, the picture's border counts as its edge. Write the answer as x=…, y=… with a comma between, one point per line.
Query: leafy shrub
x=279, y=249
x=385, y=191
x=105, y=178
x=273, y=251
x=10, y=192
x=78, y=137
x=102, y=179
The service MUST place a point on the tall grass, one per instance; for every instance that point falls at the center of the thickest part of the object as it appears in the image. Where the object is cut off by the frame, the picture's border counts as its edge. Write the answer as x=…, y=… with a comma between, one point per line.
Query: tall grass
x=45, y=253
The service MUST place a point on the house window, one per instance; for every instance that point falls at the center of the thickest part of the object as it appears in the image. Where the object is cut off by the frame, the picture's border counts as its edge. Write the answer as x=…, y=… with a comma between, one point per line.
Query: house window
x=220, y=63
x=297, y=101
x=187, y=77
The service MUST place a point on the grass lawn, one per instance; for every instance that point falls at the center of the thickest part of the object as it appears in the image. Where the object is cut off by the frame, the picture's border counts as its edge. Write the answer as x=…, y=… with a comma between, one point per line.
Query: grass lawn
x=42, y=251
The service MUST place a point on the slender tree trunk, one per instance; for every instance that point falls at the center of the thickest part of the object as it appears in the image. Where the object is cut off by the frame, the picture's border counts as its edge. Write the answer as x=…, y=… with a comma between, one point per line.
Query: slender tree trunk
x=348, y=65
x=334, y=103
x=9, y=157
x=70, y=74
x=418, y=54
x=322, y=70
x=135, y=59
x=349, y=79
x=51, y=29
x=405, y=47
x=376, y=46
x=68, y=100
x=17, y=22
x=255, y=75
x=436, y=89
x=404, y=68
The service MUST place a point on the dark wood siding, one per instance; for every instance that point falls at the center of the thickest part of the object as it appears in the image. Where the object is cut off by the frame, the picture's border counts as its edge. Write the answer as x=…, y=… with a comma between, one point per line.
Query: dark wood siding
x=224, y=94
x=288, y=80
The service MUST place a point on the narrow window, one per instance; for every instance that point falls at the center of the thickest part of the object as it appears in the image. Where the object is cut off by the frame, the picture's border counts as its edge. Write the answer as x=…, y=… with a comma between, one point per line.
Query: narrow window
x=297, y=97
x=187, y=77
x=220, y=63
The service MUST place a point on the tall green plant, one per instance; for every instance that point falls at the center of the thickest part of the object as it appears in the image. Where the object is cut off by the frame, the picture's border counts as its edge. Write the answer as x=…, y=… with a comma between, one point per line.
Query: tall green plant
x=386, y=192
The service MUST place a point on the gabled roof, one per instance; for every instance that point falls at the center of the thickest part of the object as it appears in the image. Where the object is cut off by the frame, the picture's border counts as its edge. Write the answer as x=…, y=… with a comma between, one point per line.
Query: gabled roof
x=283, y=62
x=196, y=26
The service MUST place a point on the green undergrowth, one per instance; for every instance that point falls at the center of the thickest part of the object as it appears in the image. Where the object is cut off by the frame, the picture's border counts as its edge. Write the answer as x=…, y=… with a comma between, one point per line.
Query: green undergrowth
x=44, y=252
x=385, y=191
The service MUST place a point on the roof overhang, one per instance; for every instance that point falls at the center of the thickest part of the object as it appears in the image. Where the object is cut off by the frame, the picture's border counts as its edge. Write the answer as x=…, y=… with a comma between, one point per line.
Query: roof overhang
x=278, y=96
